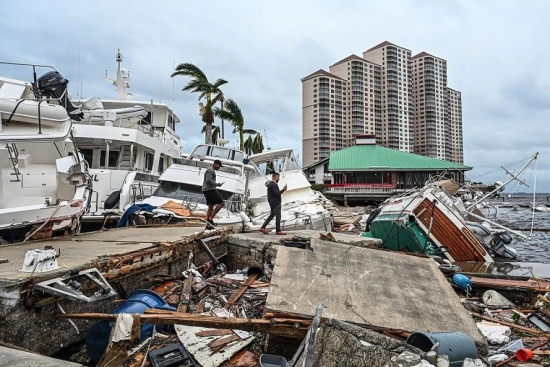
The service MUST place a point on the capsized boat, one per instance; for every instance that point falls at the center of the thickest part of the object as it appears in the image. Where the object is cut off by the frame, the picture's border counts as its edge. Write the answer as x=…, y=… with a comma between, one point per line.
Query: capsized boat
x=433, y=221
x=302, y=207
x=45, y=186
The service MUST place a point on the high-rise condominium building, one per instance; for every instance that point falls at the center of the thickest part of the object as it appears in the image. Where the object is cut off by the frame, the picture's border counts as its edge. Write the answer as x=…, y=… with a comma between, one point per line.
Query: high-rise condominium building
x=403, y=99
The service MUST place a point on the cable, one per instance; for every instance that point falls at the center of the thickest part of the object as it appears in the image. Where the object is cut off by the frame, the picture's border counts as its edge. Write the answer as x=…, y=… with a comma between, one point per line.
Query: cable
x=534, y=197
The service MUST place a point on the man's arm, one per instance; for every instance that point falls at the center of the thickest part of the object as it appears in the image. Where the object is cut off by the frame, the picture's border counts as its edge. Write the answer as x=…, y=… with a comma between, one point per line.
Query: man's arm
x=275, y=189
x=210, y=178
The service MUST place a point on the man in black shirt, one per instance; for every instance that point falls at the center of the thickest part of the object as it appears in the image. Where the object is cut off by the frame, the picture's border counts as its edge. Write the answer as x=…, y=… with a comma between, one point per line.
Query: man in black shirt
x=274, y=200
x=211, y=194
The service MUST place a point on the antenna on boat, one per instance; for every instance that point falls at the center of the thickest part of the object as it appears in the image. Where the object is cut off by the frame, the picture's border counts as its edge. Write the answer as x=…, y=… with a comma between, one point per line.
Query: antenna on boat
x=174, y=83
x=122, y=80
x=78, y=77
x=266, y=142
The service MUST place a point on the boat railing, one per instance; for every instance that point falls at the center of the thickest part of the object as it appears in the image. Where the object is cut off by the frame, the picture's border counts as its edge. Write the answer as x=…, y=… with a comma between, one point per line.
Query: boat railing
x=361, y=189
x=140, y=191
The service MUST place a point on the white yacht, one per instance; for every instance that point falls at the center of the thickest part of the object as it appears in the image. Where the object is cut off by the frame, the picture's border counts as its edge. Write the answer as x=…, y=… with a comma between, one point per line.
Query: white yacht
x=302, y=207
x=180, y=196
x=127, y=144
x=45, y=187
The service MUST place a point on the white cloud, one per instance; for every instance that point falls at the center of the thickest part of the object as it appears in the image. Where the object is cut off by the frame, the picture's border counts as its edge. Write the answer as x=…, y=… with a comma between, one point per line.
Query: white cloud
x=496, y=52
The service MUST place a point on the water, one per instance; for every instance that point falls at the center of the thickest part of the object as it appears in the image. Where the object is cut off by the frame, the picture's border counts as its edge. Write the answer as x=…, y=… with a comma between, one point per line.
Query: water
x=516, y=213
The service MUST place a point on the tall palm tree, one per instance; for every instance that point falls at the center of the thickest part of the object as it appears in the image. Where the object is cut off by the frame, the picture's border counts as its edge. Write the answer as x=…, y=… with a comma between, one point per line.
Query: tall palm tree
x=215, y=133
x=234, y=115
x=210, y=92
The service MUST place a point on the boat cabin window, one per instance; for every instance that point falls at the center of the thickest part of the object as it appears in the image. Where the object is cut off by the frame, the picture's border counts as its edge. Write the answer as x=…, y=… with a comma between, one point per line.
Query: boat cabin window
x=147, y=120
x=113, y=158
x=220, y=152
x=149, y=161
x=88, y=156
x=185, y=192
x=171, y=122
x=161, y=163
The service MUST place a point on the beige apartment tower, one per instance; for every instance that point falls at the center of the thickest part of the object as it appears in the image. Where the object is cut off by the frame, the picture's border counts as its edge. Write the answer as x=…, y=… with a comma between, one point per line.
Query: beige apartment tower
x=403, y=99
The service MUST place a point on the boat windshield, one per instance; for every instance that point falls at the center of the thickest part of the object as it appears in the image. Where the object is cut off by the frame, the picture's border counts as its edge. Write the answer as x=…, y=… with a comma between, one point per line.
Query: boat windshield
x=218, y=152
x=185, y=192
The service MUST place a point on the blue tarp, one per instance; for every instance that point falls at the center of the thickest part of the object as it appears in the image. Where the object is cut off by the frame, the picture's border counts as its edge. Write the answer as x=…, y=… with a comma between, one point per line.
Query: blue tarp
x=123, y=222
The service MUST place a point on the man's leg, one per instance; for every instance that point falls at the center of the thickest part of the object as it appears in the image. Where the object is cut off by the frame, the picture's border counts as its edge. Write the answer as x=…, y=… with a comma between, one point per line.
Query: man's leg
x=209, y=212
x=269, y=218
x=277, y=218
x=216, y=210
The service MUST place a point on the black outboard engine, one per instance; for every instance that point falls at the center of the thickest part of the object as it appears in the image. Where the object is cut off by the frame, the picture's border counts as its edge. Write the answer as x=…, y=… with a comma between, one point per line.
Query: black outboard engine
x=54, y=85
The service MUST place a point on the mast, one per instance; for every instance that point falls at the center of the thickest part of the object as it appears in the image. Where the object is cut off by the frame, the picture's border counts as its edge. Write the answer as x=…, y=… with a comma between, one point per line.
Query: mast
x=513, y=177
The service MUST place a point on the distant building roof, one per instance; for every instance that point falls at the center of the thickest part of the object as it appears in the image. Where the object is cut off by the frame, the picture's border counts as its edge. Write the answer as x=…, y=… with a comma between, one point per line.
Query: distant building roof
x=385, y=43
x=322, y=161
x=424, y=54
x=377, y=158
x=322, y=72
x=354, y=57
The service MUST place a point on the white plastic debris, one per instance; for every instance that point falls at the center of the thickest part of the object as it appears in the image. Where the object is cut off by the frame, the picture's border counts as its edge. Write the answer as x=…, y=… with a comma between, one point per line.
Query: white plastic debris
x=123, y=327
x=495, y=333
x=512, y=346
x=469, y=362
x=493, y=298
x=494, y=359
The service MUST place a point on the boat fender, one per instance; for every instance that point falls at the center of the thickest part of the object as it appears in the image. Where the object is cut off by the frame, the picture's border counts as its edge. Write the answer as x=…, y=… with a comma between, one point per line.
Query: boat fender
x=112, y=200
x=462, y=282
x=245, y=217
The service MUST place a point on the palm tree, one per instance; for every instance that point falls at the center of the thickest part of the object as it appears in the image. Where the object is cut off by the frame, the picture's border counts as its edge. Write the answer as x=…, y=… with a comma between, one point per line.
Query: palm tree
x=215, y=133
x=210, y=92
x=253, y=145
x=234, y=115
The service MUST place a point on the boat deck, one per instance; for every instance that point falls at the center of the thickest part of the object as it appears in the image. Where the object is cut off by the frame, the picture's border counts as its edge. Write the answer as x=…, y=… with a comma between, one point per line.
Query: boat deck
x=82, y=249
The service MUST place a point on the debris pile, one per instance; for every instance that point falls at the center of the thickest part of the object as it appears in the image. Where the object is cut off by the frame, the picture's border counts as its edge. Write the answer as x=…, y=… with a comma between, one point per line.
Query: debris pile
x=515, y=332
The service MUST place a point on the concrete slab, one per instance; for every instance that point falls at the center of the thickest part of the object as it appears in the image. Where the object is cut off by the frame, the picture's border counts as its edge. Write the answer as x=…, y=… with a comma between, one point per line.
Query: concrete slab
x=17, y=358
x=259, y=240
x=81, y=249
x=367, y=286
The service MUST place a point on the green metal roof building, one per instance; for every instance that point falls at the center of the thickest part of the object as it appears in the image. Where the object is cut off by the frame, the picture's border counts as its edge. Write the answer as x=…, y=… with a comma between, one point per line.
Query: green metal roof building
x=368, y=171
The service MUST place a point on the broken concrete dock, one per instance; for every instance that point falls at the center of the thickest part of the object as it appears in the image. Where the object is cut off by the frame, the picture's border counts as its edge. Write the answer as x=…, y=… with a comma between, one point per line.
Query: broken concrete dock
x=360, y=285
x=356, y=282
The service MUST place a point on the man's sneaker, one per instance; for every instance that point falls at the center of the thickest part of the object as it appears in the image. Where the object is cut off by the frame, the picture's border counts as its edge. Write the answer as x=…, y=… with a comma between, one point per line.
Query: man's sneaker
x=210, y=224
x=281, y=233
x=264, y=231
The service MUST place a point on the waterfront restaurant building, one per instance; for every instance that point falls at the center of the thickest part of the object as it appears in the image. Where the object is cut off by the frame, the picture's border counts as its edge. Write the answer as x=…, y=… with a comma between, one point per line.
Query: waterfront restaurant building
x=367, y=171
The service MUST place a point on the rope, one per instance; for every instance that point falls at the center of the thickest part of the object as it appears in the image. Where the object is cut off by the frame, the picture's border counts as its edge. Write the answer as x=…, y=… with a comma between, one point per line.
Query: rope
x=43, y=224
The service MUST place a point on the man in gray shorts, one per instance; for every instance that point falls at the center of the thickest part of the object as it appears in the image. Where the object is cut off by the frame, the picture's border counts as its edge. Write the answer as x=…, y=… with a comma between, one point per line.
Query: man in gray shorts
x=210, y=191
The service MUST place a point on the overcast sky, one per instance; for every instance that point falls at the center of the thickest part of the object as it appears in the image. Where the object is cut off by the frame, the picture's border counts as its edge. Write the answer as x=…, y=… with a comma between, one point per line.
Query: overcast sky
x=497, y=53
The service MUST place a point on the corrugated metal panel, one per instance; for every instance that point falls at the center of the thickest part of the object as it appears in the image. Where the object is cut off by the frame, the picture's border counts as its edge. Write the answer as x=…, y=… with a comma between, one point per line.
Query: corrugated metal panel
x=378, y=158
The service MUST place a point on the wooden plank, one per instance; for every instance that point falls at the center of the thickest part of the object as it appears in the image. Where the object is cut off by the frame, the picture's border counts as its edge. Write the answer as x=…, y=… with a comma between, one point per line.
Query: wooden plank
x=223, y=341
x=524, y=285
x=509, y=324
x=214, y=332
x=238, y=294
x=179, y=318
x=185, y=296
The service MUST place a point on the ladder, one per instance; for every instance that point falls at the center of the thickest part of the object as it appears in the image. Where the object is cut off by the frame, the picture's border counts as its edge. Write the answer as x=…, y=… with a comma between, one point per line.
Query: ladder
x=14, y=159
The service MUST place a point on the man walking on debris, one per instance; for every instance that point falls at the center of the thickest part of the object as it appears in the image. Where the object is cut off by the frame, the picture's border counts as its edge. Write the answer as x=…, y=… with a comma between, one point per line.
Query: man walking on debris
x=274, y=200
x=210, y=191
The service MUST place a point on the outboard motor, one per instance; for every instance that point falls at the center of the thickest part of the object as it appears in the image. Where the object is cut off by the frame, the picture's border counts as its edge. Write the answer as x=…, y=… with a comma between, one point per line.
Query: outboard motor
x=54, y=85
x=499, y=246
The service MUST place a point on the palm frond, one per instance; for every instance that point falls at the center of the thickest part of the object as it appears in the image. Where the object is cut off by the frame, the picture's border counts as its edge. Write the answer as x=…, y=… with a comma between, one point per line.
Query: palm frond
x=249, y=131
x=190, y=70
x=218, y=83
